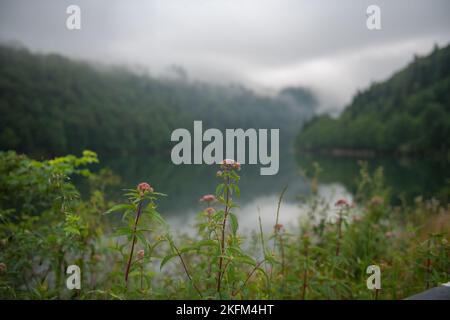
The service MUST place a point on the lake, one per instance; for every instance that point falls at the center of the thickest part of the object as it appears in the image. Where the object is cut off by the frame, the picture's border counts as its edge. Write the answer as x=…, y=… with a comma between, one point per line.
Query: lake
x=185, y=184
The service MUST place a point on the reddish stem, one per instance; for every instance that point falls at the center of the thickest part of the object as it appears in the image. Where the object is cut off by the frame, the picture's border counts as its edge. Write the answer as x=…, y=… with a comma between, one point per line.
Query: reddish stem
x=227, y=196
x=338, y=245
x=305, y=274
x=133, y=243
x=248, y=277
x=428, y=265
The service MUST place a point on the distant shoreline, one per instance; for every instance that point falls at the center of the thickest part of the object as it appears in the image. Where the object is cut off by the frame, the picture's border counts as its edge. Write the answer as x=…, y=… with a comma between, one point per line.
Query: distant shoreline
x=370, y=153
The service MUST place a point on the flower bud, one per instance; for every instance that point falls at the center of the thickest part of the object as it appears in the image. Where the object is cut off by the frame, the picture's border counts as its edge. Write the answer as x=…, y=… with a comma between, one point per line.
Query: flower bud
x=208, y=198
x=278, y=227
x=210, y=211
x=341, y=203
x=144, y=187
x=230, y=164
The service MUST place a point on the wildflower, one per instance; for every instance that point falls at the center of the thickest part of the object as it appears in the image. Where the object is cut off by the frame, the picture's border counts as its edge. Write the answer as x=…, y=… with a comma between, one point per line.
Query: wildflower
x=144, y=187
x=357, y=218
x=209, y=211
x=230, y=164
x=341, y=203
x=278, y=227
x=219, y=173
x=2, y=267
x=140, y=254
x=208, y=198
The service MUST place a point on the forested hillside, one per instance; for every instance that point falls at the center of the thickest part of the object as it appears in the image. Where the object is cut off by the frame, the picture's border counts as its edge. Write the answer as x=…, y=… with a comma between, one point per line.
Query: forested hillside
x=51, y=105
x=409, y=114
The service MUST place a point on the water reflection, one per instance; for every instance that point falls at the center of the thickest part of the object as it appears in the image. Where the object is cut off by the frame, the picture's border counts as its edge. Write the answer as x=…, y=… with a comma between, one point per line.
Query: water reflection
x=406, y=178
x=264, y=206
x=185, y=184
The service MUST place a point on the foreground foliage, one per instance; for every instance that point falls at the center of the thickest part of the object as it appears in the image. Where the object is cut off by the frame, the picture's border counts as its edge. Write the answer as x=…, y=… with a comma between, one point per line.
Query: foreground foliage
x=46, y=226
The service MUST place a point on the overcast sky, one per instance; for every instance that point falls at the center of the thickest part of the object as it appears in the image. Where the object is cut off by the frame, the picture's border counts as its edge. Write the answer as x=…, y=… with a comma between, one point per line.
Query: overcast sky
x=264, y=44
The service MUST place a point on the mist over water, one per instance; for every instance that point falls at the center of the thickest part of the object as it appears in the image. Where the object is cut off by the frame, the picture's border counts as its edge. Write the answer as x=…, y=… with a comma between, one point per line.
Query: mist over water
x=185, y=184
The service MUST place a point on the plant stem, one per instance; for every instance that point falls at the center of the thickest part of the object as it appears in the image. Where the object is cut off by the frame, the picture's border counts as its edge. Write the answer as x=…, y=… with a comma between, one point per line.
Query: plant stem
x=305, y=273
x=248, y=277
x=138, y=214
x=186, y=270
x=338, y=244
x=263, y=246
x=279, y=203
x=280, y=198
x=142, y=275
x=428, y=264
x=283, y=264
x=222, y=245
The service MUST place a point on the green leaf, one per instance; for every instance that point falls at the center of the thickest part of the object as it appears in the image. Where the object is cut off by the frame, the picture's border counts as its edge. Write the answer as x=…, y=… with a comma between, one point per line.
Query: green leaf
x=167, y=259
x=155, y=215
x=237, y=191
x=204, y=243
x=159, y=194
x=122, y=232
x=218, y=216
x=246, y=259
x=234, y=223
x=219, y=189
x=120, y=207
x=141, y=237
x=271, y=259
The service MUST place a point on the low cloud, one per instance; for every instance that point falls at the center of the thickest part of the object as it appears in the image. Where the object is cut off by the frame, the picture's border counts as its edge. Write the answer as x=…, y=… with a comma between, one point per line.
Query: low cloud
x=264, y=44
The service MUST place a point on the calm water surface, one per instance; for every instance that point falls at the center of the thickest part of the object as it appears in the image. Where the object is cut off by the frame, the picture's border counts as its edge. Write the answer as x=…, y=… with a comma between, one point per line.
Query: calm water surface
x=185, y=184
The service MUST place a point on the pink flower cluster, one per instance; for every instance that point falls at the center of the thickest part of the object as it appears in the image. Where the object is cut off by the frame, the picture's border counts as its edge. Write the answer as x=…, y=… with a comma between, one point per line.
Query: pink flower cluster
x=278, y=227
x=141, y=254
x=342, y=203
x=144, y=187
x=208, y=198
x=230, y=164
x=210, y=211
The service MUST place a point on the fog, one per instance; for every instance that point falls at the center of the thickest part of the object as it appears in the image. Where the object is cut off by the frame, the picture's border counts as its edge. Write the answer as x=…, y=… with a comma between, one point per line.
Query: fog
x=263, y=44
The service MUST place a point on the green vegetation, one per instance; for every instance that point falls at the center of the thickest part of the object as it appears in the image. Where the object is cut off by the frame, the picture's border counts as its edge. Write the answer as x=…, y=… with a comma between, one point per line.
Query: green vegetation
x=407, y=177
x=46, y=226
x=51, y=105
x=407, y=114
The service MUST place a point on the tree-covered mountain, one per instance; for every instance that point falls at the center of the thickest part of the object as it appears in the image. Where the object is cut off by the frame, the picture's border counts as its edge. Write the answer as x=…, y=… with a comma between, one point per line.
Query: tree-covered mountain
x=51, y=105
x=409, y=114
